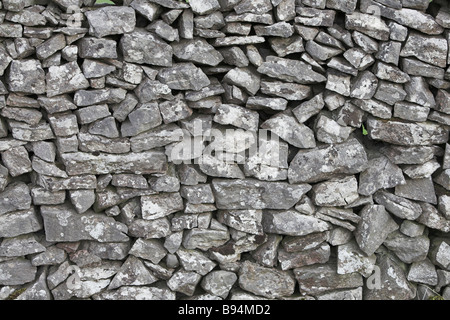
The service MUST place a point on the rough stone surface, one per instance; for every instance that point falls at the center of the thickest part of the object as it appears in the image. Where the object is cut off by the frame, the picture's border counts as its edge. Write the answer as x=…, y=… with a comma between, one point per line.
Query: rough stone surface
x=224, y=150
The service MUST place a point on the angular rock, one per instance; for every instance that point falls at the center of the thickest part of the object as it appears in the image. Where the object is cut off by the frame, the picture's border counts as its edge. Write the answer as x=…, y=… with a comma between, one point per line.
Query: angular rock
x=406, y=134
x=432, y=50
x=287, y=127
x=400, y=207
x=370, y=25
x=64, y=79
x=318, y=279
x=373, y=179
x=183, y=76
x=266, y=282
x=62, y=223
x=110, y=21
x=198, y=51
x=26, y=76
x=263, y=194
x=290, y=70
x=375, y=225
x=97, y=48
x=288, y=91
x=161, y=205
x=194, y=260
x=318, y=255
x=16, y=160
x=417, y=189
x=329, y=131
x=204, y=239
x=184, y=282
x=292, y=223
x=16, y=272
x=351, y=259
x=408, y=249
x=320, y=163
x=219, y=282
x=20, y=246
x=134, y=47
x=245, y=78
x=16, y=223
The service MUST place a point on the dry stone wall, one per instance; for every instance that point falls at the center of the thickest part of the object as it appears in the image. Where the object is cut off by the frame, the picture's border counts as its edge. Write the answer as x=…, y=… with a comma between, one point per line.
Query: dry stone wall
x=224, y=149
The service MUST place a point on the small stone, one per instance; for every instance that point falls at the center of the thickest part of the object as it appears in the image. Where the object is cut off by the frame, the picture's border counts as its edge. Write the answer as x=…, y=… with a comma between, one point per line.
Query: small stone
x=161, y=205
x=370, y=25
x=51, y=256
x=20, y=246
x=184, y=282
x=134, y=47
x=326, y=163
x=204, y=239
x=142, y=119
x=245, y=78
x=329, y=131
x=266, y=282
x=375, y=225
x=315, y=17
x=318, y=255
x=183, y=76
x=17, y=272
x=399, y=206
x=50, y=46
x=132, y=273
x=417, y=189
x=16, y=160
x=26, y=76
x=16, y=223
x=351, y=259
x=63, y=124
x=194, y=260
x=93, y=48
x=286, y=46
x=408, y=249
x=64, y=79
x=16, y=196
x=287, y=127
x=82, y=200
x=423, y=272
x=198, y=51
x=312, y=283
x=338, y=82
x=172, y=111
x=110, y=21
x=419, y=134
x=292, y=223
x=219, y=283
x=288, y=91
x=429, y=49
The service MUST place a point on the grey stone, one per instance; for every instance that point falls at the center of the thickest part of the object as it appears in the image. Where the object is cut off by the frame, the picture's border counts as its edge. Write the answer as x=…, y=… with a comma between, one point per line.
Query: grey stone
x=184, y=282
x=399, y=206
x=160, y=205
x=229, y=196
x=204, y=239
x=248, y=221
x=408, y=155
x=318, y=279
x=63, y=124
x=416, y=67
x=64, y=79
x=410, y=18
x=338, y=82
x=320, y=52
x=194, y=260
x=142, y=119
x=51, y=256
x=62, y=223
x=82, y=200
x=418, y=92
x=137, y=293
x=17, y=272
x=290, y=70
x=286, y=46
x=370, y=25
x=373, y=179
x=421, y=171
x=237, y=116
x=329, y=131
x=309, y=108
x=20, y=246
x=292, y=223
x=279, y=29
x=139, y=163
x=97, y=48
x=423, y=272
x=315, y=17
x=321, y=163
x=26, y=76
x=19, y=222
x=198, y=51
x=411, y=111
x=408, y=249
x=377, y=108
x=46, y=168
x=234, y=56
x=219, y=283
x=351, y=259
x=132, y=273
x=264, y=18
x=16, y=160
x=135, y=46
x=340, y=217
x=266, y=282
x=298, y=134
x=318, y=255
x=151, y=250
x=390, y=93
x=245, y=78
x=96, y=143
x=364, y=86
x=391, y=73
x=110, y=21
x=432, y=50
x=71, y=183
x=288, y=91
x=406, y=134
x=50, y=46
x=417, y=189
x=96, y=69
x=56, y=104
x=375, y=225
x=183, y=76
x=411, y=228
x=109, y=251
x=92, y=113
x=393, y=280
x=335, y=192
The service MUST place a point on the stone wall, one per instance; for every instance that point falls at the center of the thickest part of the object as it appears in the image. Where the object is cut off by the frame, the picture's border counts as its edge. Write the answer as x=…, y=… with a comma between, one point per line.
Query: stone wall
x=224, y=149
